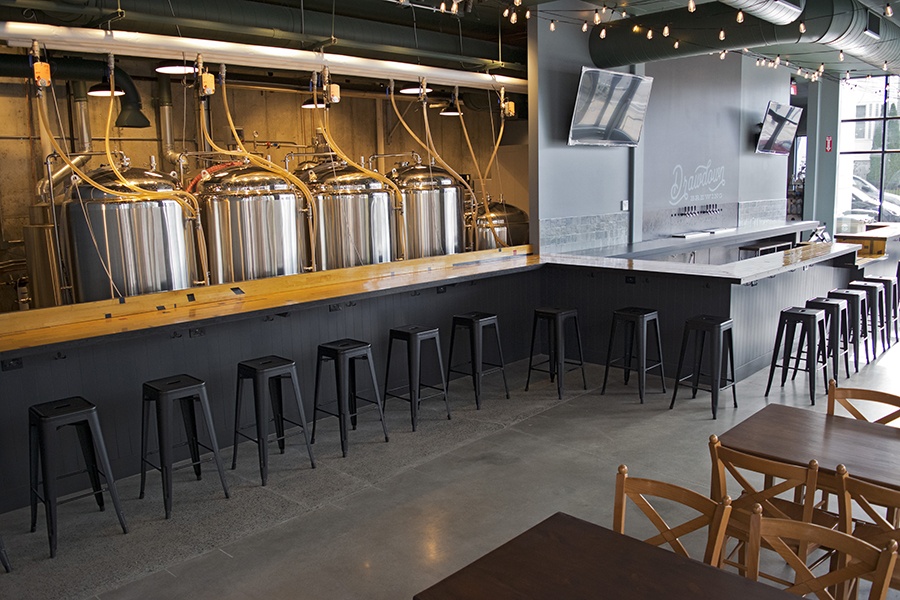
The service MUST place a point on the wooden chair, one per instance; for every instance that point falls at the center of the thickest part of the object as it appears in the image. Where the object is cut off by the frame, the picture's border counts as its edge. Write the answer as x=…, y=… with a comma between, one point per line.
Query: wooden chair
x=713, y=515
x=879, y=504
x=845, y=397
x=855, y=558
x=770, y=484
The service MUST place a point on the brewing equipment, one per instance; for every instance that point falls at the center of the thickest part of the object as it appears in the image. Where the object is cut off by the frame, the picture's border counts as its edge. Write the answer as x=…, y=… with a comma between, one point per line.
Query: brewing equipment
x=252, y=224
x=119, y=246
x=433, y=212
x=356, y=217
x=510, y=224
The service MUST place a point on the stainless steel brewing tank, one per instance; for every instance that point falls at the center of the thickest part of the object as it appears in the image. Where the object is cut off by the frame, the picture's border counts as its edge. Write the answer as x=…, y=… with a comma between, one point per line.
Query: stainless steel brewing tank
x=123, y=247
x=252, y=225
x=433, y=212
x=356, y=219
x=510, y=224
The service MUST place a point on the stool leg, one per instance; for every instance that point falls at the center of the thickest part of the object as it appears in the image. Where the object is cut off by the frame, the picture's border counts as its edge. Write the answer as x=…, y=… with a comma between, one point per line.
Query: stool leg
x=213, y=442
x=580, y=351
x=641, y=333
x=295, y=380
x=502, y=362
x=882, y=324
x=4, y=558
x=276, y=399
x=145, y=425
x=800, y=345
x=351, y=367
x=659, y=353
x=33, y=468
x=873, y=318
x=824, y=352
x=475, y=351
x=684, y=342
x=788, y=347
x=853, y=327
x=261, y=409
x=812, y=361
x=237, y=420
x=103, y=459
x=609, y=349
x=90, y=460
x=845, y=342
x=699, y=344
x=343, y=383
x=778, y=336
x=715, y=364
x=534, y=324
x=450, y=352
x=48, y=473
x=387, y=371
x=437, y=347
x=371, y=362
x=189, y=418
x=164, y=435
x=312, y=439
x=414, y=372
x=834, y=342
x=730, y=341
x=560, y=347
x=628, y=349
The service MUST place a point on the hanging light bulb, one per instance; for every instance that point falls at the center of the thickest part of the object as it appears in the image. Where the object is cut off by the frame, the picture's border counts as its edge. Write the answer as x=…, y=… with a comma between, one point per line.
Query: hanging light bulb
x=517, y=2
x=692, y=6
x=884, y=66
x=822, y=68
x=444, y=7
x=799, y=70
x=603, y=10
x=676, y=44
x=649, y=34
x=802, y=27
x=603, y=33
x=758, y=62
x=624, y=14
x=527, y=13
x=505, y=10
x=636, y=28
x=596, y=17
x=584, y=26
x=552, y=24
x=888, y=11
x=722, y=54
x=666, y=31
x=777, y=60
x=841, y=56
x=740, y=16
x=513, y=18
x=722, y=34
x=847, y=75
x=454, y=8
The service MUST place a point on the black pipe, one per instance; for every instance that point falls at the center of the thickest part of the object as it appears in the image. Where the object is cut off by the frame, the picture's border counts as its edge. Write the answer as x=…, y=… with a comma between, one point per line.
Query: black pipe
x=76, y=69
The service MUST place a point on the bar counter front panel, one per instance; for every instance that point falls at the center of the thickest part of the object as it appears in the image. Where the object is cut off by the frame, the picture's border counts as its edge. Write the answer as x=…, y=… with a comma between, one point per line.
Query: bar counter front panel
x=109, y=370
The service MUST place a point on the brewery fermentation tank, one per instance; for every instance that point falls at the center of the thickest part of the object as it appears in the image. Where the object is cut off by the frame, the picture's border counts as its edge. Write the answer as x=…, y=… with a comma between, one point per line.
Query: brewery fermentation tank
x=252, y=224
x=510, y=224
x=433, y=212
x=356, y=217
x=125, y=247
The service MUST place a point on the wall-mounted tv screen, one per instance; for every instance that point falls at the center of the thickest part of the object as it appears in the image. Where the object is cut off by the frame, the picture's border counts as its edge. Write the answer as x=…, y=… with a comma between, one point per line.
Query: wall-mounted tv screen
x=609, y=108
x=778, y=129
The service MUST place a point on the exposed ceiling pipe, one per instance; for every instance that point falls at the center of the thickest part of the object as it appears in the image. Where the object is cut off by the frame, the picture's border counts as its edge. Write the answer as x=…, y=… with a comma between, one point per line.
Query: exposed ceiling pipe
x=267, y=57
x=81, y=128
x=166, y=125
x=779, y=12
x=76, y=69
x=838, y=24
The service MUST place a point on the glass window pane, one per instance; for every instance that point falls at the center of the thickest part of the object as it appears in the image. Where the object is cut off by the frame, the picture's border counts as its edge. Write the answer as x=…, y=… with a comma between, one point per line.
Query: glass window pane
x=857, y=198
x=892, y=136
x=864, y=97
x=860, y=136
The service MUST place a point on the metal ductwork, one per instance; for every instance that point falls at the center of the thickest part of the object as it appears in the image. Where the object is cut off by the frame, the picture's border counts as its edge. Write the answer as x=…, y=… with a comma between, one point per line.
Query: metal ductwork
x=838, y=24
x=76, y=69
x=779, y=12
x=166, y=126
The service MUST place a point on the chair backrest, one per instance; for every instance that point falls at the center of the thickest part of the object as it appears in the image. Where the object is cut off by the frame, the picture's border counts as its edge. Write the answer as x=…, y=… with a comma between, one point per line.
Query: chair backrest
x=777, y=479
x=880, y=504
x=713, y=515
x=845, y=397
x=855, y=558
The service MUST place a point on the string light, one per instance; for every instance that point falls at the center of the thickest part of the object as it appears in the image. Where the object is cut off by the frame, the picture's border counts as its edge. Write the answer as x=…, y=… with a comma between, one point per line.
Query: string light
x=636, y=28
x=603, y=33
x=649, y=34
x=666, y=31
x=758, y=62
x=454, y=8
x=624, y=14
x=884, y=66
x=584, y=27
x=722, y=54
x=822, y=68
x=676, y=44
x=527, y=13
x=505, y=10
x=603, y=10
x=841, y=56
x=740, y=16
x=513, y=18
x=799, y=70
x=692, y=6
x=444, y=7
x=777, y=60
x=552, y=24
x=722, y=34
x=517, y=2
x=597, y=16
x=847, y=75
x=888, y=11
x=802, y=27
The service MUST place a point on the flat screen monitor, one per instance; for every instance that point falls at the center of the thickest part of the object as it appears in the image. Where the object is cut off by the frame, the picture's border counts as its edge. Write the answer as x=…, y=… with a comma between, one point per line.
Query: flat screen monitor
x=609, y=108
x=778, y=129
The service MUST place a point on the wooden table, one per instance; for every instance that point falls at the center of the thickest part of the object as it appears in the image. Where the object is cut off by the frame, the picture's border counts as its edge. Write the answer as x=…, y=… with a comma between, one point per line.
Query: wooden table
x=795, y=435
x=565, y=557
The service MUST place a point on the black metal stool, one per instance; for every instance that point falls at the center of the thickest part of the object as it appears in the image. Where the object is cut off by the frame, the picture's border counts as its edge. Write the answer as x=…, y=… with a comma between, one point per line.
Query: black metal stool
x=165, y=393
x=838, y=327
x=876, y=298
x=720, y=330
x=892, y=304
x=414, y=335
x=475, y=323
x=637, y=323
x=43, y=422
x=556, y=319
x=4, y=558
x=267, y=373
x=345, y=353
x=857, y=308
x=812, y=328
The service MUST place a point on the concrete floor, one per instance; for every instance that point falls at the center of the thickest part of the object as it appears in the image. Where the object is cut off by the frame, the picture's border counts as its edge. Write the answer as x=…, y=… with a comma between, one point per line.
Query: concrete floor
x=391, y=519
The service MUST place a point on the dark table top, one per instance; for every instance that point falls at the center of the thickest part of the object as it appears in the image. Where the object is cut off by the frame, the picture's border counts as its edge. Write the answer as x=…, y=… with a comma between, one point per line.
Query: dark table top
x=795, y=435
x=564, y=557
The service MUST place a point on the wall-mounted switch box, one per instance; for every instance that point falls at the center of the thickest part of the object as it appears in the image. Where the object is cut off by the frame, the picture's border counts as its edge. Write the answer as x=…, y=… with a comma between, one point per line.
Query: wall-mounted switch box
x=625, y=204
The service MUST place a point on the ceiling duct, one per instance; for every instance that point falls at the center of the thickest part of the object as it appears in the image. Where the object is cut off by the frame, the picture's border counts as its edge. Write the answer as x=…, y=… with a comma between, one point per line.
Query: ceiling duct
x=838, y=24
x=779, y=12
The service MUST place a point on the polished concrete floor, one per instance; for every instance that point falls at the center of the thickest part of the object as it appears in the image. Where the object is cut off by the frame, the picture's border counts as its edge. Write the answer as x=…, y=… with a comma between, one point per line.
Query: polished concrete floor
x=392, y=518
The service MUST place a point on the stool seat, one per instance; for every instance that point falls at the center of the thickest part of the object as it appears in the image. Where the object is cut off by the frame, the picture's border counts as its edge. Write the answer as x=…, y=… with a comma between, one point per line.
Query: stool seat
x=475, y=322
x=877, y=311
x=44, y=420
x=414, y=335
x=720, y=330
x=344, y=353
x=556, y=362
x=857, y=309
x=838, y=327
x=268, y=374
x=812, y=329
x=164, y=393
x=892, y=303
x=637, y=322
